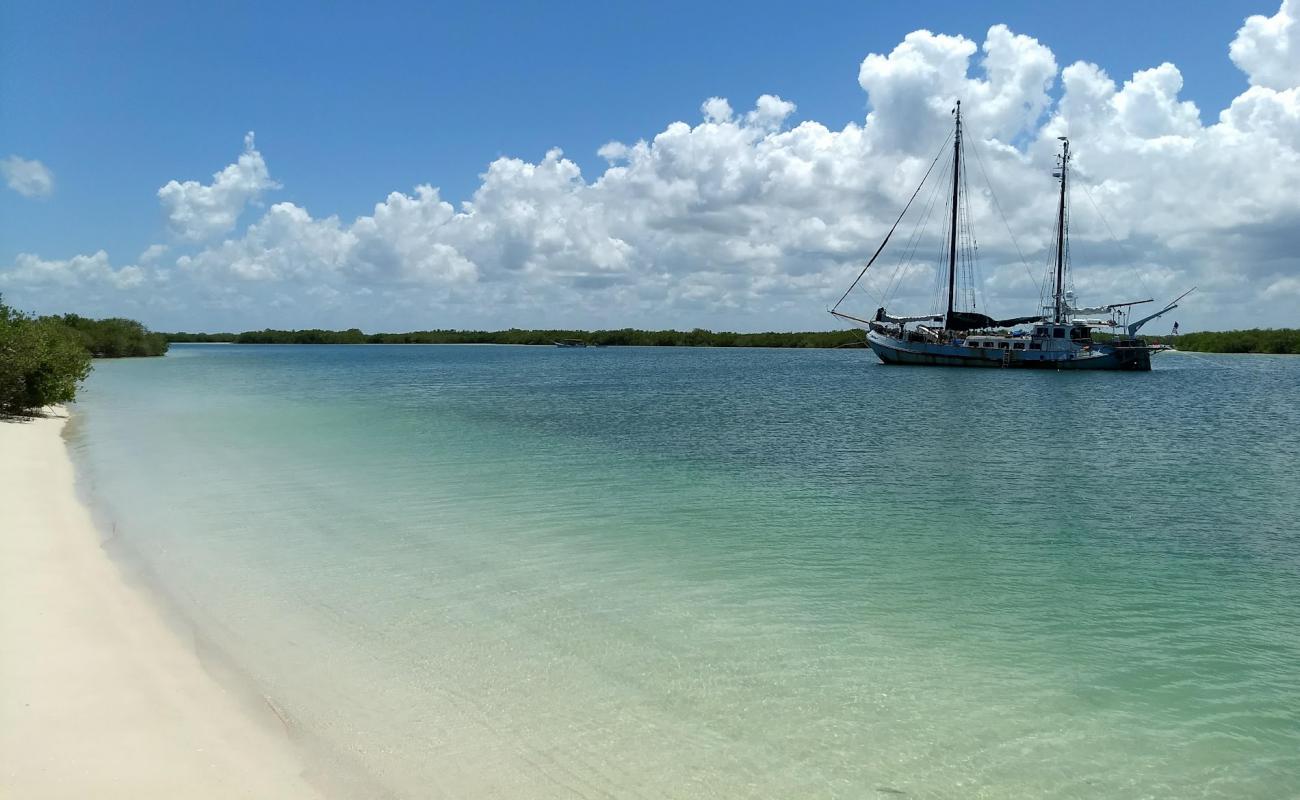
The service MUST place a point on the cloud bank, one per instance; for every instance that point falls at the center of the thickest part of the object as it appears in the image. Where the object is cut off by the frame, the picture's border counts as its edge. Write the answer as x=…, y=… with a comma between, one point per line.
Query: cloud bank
x=745, y=220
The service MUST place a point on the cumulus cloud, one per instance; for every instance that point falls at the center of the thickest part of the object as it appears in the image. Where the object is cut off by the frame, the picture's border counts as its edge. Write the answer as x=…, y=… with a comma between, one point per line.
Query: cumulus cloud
x=1267, y=49
x=79, y=271
x=716, y=109
x=28, y=178
x=914, y=88
x=196, y=211
x=152, y=253
x=742, y=219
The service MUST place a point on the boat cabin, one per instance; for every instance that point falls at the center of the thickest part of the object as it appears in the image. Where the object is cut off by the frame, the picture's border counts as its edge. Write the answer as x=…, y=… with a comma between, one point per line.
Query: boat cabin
x=1043, y=337
x=1072, y=333
x=998, y=342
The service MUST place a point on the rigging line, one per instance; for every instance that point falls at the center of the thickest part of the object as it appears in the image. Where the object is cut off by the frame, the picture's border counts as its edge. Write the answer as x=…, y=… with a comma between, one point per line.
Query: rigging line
x=963, y=250
x=970, y=245
x=1115, y=239
x=944, y=255
x=938, y=301
x=891, y=230
x=884, y=301
x=940, y=256
x=907, y=258
x=1069, y=247
x=904, y=261
x=1049, y=272
x=903, y=264
x=980, y=163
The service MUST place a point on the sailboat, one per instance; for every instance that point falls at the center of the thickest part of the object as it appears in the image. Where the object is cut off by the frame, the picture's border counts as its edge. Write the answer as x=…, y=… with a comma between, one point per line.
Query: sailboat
x=1059, y=336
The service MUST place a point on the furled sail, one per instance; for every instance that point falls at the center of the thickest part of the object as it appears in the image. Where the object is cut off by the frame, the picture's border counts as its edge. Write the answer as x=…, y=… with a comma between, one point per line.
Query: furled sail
x=969, y=321
x=884, y=316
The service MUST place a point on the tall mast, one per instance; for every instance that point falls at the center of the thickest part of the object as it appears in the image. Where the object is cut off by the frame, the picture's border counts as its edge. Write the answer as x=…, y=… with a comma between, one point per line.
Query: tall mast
x=952, y=234
x=1059, y=315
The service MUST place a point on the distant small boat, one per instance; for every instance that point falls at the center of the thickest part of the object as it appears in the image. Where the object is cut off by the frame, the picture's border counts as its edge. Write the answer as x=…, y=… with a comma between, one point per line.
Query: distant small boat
x=570, y=343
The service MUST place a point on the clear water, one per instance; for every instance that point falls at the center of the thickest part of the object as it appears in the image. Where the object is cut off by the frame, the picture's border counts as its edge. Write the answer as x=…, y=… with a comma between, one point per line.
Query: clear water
x=535, y=572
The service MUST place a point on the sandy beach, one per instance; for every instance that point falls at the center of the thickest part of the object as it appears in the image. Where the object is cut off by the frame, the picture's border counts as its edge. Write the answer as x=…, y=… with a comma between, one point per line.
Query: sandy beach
x=100, y=696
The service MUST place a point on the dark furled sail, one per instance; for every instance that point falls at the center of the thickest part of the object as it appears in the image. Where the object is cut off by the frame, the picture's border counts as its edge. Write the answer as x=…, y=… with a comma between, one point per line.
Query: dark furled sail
x=970, y=321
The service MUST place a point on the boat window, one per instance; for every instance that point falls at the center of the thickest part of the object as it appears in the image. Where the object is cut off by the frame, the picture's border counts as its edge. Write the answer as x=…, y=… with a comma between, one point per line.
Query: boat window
x=1002, y=345
x=972, y=344
x=988, y=344
x=1019, y=345
x=1040, y=331
x=1058, y=333
x=1035, y=345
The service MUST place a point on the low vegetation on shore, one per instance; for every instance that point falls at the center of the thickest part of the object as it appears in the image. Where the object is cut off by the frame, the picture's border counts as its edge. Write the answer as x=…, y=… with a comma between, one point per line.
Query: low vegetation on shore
x=1281, y=340
x=43, y=360
x=613, y=338
x=1277, y=341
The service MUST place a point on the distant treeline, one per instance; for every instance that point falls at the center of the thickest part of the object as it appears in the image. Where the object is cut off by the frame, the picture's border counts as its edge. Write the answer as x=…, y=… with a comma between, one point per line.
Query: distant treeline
x=1281, y=340
x=1256, y=340
x=43, y=360
x=612, y=338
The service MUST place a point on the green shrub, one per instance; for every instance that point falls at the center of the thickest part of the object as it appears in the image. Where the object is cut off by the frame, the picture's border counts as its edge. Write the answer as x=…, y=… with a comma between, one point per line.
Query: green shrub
x=115, y=337
x=42, y=362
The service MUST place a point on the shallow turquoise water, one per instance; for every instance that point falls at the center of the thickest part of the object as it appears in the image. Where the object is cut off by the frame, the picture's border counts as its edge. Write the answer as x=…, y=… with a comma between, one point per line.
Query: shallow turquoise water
x=535, y=572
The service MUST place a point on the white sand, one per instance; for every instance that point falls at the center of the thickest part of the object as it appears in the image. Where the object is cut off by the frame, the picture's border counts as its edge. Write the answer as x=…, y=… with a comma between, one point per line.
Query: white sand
x=99, y=697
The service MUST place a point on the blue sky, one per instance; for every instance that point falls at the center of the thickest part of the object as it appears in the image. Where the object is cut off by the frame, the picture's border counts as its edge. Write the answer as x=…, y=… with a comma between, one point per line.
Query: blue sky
x=352, y=102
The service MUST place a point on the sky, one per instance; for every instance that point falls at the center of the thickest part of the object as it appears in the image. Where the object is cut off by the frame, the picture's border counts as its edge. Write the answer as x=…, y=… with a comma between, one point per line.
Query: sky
x=412, y=166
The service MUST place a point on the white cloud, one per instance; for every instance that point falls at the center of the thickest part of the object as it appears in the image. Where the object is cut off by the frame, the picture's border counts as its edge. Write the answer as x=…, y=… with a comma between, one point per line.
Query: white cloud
x=78, y=271
x=769, y=112
x=913, y=89
x=1285, y=288
x=152, y=253
x=1148, y=107
x=716, y=109
x=1267, y=49
x=28, y=178
x=197, y=212
x=744, y=220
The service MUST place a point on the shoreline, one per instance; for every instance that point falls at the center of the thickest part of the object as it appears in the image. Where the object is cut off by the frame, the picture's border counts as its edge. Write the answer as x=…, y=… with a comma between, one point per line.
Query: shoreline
x=102, y=696
x=847, y=346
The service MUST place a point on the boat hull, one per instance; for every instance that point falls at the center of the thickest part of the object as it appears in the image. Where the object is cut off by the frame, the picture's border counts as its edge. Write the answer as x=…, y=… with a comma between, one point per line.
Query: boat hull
x=934, y=354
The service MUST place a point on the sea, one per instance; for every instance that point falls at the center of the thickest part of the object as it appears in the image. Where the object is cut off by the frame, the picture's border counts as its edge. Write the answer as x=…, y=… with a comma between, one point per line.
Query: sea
x=535, y=572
